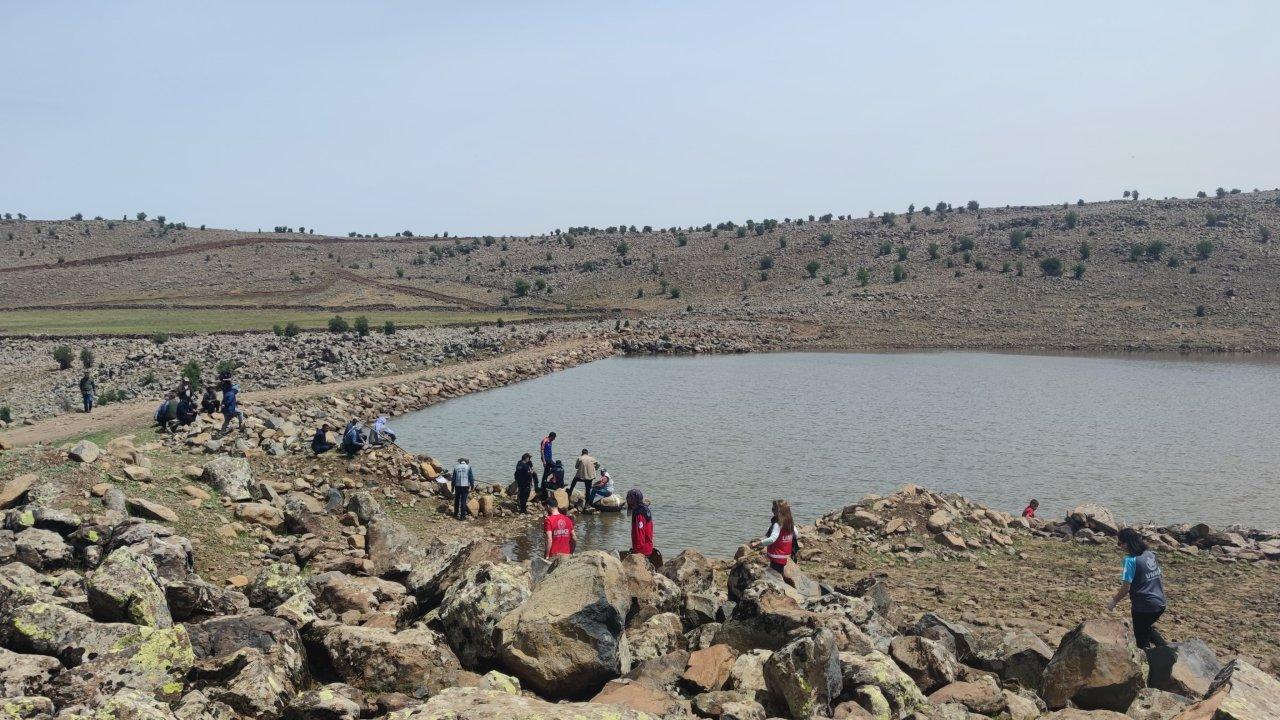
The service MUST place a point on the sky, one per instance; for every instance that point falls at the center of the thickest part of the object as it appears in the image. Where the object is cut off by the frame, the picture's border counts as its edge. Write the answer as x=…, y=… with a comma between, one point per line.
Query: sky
x=520, y=117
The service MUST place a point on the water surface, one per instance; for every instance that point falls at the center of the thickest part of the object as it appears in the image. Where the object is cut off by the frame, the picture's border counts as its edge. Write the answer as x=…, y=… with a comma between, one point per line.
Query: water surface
x=712, y=440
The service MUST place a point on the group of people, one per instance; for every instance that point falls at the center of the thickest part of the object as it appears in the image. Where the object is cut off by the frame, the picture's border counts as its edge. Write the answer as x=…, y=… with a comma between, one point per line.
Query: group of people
x=355, y=438
x=179, y=407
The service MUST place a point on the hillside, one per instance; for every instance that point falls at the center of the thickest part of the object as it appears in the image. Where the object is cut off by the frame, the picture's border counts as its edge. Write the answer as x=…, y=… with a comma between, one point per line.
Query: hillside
x=749, y=270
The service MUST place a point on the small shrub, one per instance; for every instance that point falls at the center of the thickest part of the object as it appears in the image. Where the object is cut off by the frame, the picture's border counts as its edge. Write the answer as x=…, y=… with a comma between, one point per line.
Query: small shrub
x=1085, y=250
x=902, y=252
x=388, y=328
x=1214, y=219
x=812, y=268
x=1051, y=267
x=1199, y=311
x=674, y=293
x=885, y=248
x=540, y=285
x=1174, y=261
x=764, y=275
x=521, y=287
x=980, y=265
x=226, y=368
x=864, y=277
x=362, y=326
x=825, y=239
x=193, y=373
x=500, y=322
x=1006, y=267
x=160, y=338
x=1204, y=249
x=766, y=262
x=826, y=279
x=6, y=414
x=898, y=273
x=682, y=240
x=933, y=251
x=948, y=263
x=1017, y=240
x=1018, y=268
x=1078, y=271
x=1136, y=251
x=963, y=243
x=1264, y=234
x=291, y=329
x=1155, y=249
x=1073, y=219
x=338, y=324
x=624, y=248
x=399, y=272
x=86, y=358
x=972, y=205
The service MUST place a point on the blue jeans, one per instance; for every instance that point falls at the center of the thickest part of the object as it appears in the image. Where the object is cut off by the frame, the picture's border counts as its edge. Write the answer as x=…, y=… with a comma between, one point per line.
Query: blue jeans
x=594, y=494
x=88, y=401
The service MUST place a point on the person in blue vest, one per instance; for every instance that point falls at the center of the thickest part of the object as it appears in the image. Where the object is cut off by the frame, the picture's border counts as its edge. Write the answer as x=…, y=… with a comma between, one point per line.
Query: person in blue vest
x=1143, y=582
x=464, y=478
x=548, y=464
x=230, y=405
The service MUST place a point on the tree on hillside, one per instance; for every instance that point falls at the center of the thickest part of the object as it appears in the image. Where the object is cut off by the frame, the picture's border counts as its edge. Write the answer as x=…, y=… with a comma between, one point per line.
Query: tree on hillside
x=63, y=355
x=972, y=205
x=812, y=268
x=1051, y=267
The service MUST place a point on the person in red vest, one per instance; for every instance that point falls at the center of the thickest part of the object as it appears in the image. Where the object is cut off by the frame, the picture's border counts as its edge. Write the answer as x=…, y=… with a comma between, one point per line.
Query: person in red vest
x=1030, y=511
x=781, y=542
x=559, y=528
x=641, y=524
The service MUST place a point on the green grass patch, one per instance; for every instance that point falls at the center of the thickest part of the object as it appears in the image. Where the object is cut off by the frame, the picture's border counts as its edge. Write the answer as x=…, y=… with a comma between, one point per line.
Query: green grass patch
x=149, y=321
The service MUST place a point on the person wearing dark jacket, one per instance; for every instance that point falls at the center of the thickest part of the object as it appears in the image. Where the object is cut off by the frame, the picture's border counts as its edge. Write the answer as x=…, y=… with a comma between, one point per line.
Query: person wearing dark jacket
x=1143, y=582
x=526, y=476
x=209, y=403
x=230, y=405
x=88, y=391
x=320, y=443
x=353, y=438
x=186, y=411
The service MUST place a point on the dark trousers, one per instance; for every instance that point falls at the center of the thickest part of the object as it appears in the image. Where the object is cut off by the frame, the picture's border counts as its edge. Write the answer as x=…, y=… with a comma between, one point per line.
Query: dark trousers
x=1144, y=630
x=546, y=473
x=522, y=493
x=586, y=487
x=88, y=402
x=321, y=448
x=460, y=493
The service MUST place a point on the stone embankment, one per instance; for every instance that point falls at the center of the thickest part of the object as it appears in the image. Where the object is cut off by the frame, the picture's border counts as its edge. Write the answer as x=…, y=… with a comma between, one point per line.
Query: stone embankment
x=102, y=615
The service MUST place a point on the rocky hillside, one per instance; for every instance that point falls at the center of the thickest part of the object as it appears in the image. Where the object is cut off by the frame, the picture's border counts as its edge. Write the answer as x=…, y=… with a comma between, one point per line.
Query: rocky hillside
x=1162, y=274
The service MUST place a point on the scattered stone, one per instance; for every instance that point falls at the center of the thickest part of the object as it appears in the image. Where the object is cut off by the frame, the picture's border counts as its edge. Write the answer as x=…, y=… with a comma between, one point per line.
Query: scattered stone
x=1096, y=667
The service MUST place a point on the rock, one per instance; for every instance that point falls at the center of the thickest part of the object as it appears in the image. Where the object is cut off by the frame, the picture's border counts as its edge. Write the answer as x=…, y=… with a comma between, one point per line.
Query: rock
x=1096, y=667
x=1023, y=658
x=114, y=500
x=690, y=571
x=863, y=520
x=119, y=656
x=171, y=553
x=301, y=519
x=766, y=617
x=875, y=590
x=126, y=587
x=151, y=510
x=804, y=676
x=230, y=476
x=251, y=682
x=854, y=622
x=335, y=701
x=225, y=636
x=262, y=514
x=939, y=521
x=650, y=593
x=1187, y=668
x=473, y=606
x=747, y=675
x=337, y=593
x=42, y=549
x=709, y=669
x=952, y=540
x=643, y=698
x=1239, y=692
x=1153, y=704
x=655, y=637
x=196, y=493
x=925, y=661
x=982, y=696
x=22, y=674
x=567, y=639
x=444, y=564
x=84, y=452
x=194, y=599
x=879, y=685
x=15, y=488
x=34, y=707
x=494, y=680
x=468, y=703
x=137, y=473
x=1095, y=517
x=379, y=660
x=274, y=584
x=1073, y=714
x=1019, y=707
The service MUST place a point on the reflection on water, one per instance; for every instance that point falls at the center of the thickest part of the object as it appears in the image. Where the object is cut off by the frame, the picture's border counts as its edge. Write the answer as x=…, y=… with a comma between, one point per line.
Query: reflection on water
x=712, y=440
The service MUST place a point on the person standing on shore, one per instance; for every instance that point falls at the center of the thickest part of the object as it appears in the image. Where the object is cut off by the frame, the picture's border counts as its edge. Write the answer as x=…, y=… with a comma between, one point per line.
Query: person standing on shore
x=1030, y=511
x=585, y=471
x=525, y=478
x=547, y=463
x=781, y=542
x=88, y=391
x=561, y=537
x=1143, y=582
x=641, y=524
x=463, y=480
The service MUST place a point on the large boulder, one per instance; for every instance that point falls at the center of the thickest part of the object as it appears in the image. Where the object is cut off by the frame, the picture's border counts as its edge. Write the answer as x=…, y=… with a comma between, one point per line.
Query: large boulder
x=230, y=476
x=15, y=488
x=171, y=553
x=655, y=637
x=84, y=452
x=1023, y=657
x=445, y=563
x=42, y=549
x=194, y=598
x=264, y=514
x=709, y=668
x=22, y=674
x=1153, y=704
x=253, y=683
x=927, y=662
x=126, y=587
x=329, y=702
x=1095, y=517
x=857, y=626
x=473, y=606
x=765, y=616
x=690, y=570
x=1239, y=692
x=336, y=593
x=642, y=697
x=651, y=593
x=1186, y=668
x=1096, y=667
x=274, y=584
x=981, y=695
x=879, y=686
x=567, y=639
x=469, y=703
x=803, y=677
x=955, y=637
x=380, y=660
x=224, y=636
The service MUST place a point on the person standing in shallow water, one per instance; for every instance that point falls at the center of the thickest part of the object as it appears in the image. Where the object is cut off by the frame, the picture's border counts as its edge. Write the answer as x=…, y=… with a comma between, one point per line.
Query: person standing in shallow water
x=1143, y=582
x=781, y=542
x=548, y=464
x=559, y=529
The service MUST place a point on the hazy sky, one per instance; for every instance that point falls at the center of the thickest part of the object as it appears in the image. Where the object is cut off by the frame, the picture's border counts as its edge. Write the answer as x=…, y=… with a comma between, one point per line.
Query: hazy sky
x=515, y=117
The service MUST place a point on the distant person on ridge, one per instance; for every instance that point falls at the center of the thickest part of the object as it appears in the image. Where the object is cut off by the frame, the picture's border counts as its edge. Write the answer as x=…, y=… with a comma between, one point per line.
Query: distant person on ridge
x=463, y=479
x=320, y=443
x=561, y=537
x=209, y=403
x=526, y=476
x=88, y=391
x=1030, y=511
x=1143, y=582
x=641, y=524
x=230, y=405
x=781, y=542
x=547, y=462
x=586, y=470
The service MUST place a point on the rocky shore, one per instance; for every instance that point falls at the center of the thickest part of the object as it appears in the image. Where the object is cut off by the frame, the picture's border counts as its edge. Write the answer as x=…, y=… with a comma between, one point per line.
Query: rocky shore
x=342, y=610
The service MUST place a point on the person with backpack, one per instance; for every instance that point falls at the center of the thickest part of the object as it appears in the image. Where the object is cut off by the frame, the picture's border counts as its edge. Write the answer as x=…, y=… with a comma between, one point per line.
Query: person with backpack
x=1142, y=580
x=230, y=405
x=780, y=543
x=561, y=537
x=525, y=479
x=464, y=478
x=88, y=391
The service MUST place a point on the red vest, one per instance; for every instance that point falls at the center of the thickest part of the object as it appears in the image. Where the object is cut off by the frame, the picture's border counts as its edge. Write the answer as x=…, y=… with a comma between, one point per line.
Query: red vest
x=779, y=551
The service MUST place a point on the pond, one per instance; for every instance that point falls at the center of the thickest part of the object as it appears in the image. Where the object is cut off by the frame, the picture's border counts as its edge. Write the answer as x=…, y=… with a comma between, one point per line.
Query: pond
x=712, y=440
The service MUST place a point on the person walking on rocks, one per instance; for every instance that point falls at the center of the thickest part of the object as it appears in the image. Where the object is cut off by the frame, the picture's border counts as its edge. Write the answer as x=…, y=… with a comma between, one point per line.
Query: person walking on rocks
x=230, y=405
x=586, y=471
x=463, y=480
x=526, y=476
x=641, y=524
x=548, y=464
x=781, y=542
x=88, y=391
x=1143, y=582
x=561, y=537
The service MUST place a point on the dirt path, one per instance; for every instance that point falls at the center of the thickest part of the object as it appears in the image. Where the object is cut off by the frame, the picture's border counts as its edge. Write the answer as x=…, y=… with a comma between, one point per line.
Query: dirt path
x=138, y=414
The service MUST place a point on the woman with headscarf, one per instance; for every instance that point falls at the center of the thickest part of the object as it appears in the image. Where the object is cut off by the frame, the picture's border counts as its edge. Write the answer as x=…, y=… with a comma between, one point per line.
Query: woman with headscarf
x=641, y=524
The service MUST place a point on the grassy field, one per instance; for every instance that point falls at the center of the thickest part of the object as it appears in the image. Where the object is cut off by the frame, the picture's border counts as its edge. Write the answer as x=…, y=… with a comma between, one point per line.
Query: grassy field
x=148, y=321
